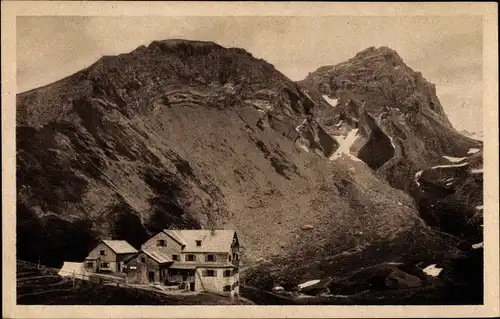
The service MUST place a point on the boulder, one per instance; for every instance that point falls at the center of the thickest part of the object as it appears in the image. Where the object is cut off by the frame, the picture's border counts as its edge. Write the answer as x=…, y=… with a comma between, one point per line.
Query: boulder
x=399, y=279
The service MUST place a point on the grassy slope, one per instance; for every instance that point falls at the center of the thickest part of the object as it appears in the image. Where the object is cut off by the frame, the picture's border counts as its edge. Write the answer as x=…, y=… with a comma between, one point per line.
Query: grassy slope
x=45, y=287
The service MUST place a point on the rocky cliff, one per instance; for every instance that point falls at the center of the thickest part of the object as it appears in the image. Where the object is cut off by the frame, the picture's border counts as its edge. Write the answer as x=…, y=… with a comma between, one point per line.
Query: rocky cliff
x=189, y=134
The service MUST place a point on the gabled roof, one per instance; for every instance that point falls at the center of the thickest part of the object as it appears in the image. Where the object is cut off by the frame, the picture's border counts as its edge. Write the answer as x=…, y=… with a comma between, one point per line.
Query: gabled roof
x=119, y=246
x=219, y=241
x=157, y=255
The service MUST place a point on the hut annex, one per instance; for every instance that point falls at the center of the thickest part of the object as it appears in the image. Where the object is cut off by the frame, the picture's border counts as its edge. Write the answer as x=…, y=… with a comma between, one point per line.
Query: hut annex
x=197, y=260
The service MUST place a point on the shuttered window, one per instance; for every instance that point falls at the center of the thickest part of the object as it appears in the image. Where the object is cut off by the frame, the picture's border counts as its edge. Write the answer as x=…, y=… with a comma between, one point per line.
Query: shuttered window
x=227, y=288
x=227, y=273
x=209, y=273
x=190, y=257
x=210, y=258
x=161, y=243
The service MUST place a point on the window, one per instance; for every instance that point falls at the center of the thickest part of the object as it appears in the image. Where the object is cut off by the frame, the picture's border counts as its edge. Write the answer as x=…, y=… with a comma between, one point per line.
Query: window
x=89, y=264
x=229, y=257
x=132, y=267
x=227, y=273
x=143, y=260
x=161, y=243
x=210, y=273
x=210, y=258
x=198, y=243
x=104, y=265
x=102, y=252
x=175, y=257
x=190, y=257
x=227, y=288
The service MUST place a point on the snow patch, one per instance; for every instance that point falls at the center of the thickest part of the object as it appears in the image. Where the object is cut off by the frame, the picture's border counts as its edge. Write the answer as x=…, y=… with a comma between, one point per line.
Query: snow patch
x=332, y=102
x=473, y=151
x=305, y=148
x=308, y=283
x=300, y=126
x=394, y=263
x=305, y=92
x=478, y=245
x=480, y=207
x=446, y=166
x=477, y=171
x=392, y=142
x=454, y=159
x=417, y=177
x=432, y=270
x=345, y=143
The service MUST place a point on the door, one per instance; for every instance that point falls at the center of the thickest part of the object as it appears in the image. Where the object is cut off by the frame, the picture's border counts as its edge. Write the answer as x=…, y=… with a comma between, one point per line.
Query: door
x=191, y=286
x=151, y=276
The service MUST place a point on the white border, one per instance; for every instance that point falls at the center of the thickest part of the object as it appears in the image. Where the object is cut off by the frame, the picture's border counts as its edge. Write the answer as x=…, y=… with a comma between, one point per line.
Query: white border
x=11, y=9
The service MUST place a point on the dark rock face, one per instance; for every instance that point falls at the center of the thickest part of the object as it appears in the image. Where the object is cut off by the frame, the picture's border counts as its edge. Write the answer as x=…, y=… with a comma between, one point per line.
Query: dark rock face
x=183, y=134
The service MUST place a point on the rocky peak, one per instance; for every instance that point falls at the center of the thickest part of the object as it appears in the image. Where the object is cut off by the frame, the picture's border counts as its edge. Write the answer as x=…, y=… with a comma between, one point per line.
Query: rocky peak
x=380, y=76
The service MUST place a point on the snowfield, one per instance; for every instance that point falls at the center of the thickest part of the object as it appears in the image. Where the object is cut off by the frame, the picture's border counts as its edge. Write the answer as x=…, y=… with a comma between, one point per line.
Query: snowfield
x=392, y=142
x=454, y=159
x=308, y=283
x=473, y=151
x=477, y=246
x=332, y=102
x=345, y=143
x=432, y=270
x=417, y=177
x=297, y=129
x=446, y=166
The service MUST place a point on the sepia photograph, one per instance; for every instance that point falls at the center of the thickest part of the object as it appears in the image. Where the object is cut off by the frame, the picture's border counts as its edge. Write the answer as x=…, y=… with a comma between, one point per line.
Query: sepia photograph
x=250, y=158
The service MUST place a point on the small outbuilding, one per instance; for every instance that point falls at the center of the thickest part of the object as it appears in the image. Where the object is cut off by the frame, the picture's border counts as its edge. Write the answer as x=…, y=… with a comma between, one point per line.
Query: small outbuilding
x=109, y=256
x=148, y=266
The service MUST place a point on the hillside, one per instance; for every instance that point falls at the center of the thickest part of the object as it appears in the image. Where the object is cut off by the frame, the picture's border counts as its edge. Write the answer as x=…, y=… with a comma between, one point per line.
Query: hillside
x=189, y=134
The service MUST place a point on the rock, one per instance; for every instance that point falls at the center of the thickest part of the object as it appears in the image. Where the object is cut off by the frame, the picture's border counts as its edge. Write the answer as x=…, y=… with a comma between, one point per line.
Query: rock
x=278, y=289
x=399, y=279
x=307, y=227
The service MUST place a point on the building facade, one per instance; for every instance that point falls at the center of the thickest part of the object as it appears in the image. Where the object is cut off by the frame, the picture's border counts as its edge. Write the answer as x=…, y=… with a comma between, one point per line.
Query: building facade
x=196, y=260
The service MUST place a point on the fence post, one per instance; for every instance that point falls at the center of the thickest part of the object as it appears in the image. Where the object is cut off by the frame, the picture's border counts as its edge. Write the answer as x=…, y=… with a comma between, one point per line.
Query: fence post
x=73, y=279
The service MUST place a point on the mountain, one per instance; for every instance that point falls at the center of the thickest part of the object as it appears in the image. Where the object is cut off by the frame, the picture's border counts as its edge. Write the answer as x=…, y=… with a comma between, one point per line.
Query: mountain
x=189, y=134
x=399, y=129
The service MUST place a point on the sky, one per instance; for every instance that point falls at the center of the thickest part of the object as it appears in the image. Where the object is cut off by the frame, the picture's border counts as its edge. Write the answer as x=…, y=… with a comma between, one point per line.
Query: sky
x=447, y=50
